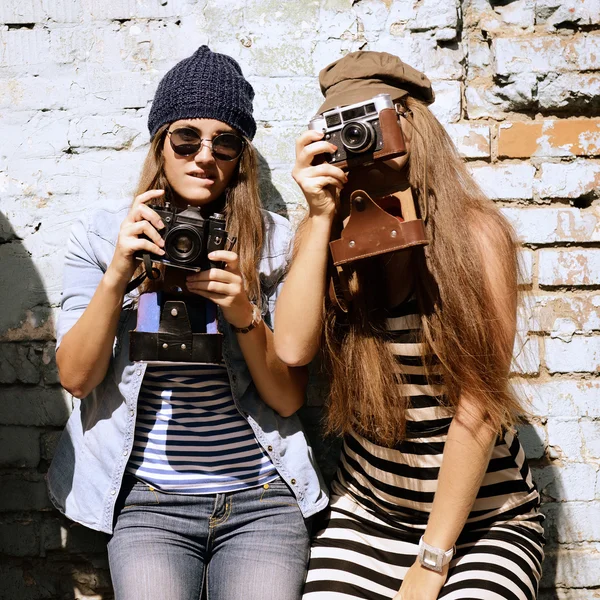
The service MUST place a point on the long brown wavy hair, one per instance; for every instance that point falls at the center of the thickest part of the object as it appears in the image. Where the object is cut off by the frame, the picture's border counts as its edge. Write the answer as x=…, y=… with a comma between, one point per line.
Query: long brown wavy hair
x=461, y=322
x=241, y=205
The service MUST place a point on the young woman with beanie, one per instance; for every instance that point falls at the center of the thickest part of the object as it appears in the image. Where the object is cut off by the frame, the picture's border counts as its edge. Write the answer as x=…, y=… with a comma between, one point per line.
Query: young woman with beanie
x=200, y=473
x=433, y=497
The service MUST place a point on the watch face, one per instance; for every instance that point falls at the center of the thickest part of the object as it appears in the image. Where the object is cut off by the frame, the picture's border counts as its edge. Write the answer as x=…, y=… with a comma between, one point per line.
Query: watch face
x=430, y=559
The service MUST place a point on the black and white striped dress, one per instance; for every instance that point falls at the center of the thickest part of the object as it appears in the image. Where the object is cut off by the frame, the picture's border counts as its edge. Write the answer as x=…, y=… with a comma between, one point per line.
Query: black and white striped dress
x=382, y=498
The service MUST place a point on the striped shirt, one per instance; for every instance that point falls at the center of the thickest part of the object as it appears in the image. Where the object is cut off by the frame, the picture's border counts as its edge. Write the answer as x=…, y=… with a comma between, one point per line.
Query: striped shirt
x=401, y=482
x=189, y=436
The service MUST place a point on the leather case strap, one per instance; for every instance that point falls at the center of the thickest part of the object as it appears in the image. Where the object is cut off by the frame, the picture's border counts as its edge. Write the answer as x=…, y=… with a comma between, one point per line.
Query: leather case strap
x=371, y=231
x=174, y=340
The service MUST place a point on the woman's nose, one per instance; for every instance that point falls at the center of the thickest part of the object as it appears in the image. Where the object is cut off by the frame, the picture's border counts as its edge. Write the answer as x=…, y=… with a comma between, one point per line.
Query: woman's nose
x=204, y=154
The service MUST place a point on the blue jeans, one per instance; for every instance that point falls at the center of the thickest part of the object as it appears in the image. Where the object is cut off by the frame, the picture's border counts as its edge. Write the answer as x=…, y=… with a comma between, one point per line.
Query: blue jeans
x=252, y=544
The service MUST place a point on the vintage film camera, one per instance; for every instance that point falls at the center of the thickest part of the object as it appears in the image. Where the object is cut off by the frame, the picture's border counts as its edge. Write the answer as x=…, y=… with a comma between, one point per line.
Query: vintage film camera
x=174, y=325
x=189, y=238
x=364, y=132
x=376, y=212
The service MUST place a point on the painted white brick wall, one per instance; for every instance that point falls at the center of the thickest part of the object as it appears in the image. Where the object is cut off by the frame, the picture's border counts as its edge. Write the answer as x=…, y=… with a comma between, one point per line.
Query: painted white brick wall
x=76, y=82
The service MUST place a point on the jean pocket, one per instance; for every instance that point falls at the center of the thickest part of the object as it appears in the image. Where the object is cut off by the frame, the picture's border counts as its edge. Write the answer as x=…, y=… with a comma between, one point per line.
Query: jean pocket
x=278, y=492
x=141, y=494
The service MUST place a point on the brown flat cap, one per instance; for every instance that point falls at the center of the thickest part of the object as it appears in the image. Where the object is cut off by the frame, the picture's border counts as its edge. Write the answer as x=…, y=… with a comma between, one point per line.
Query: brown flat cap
x=361, y=75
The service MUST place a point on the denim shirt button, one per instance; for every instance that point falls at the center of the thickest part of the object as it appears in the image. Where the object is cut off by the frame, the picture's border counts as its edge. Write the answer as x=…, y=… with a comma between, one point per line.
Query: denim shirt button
x=124, y=452
x=138, y=372
x=293, y=481
x=131, y=413
x=113, y=492
x=270, y=448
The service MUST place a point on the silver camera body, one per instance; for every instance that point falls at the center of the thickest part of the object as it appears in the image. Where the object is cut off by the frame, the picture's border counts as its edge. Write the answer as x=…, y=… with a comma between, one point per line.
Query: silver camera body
x=355, y=129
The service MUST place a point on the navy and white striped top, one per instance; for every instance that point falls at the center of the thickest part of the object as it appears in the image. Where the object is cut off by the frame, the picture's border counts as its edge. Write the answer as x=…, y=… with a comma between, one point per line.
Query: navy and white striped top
x=189, y=436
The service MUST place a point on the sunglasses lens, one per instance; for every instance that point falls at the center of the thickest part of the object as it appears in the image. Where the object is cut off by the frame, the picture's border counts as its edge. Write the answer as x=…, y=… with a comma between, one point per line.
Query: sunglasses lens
x=185, y=141
x=227, y=146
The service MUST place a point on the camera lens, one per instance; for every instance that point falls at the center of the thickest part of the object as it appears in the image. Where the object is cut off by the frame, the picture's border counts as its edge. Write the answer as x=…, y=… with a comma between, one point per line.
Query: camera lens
x=357, y=136
x=183, y=244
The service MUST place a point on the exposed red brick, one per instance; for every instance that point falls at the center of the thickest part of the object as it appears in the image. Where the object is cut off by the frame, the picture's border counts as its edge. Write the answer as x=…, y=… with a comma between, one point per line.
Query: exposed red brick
x=516, y=140
x=556, y=137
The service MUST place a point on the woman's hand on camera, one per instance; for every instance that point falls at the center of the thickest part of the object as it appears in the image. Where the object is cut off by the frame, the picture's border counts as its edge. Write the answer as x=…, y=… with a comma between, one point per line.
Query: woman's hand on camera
x=319, y=183
x=141, y=220
x=225, y=287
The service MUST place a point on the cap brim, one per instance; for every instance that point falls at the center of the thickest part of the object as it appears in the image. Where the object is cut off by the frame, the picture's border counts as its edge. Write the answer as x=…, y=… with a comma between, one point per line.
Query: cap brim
x=360, y=94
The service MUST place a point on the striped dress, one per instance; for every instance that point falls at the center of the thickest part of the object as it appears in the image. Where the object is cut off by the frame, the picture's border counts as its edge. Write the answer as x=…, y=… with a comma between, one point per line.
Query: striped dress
x=189, y=436
x=382, y=498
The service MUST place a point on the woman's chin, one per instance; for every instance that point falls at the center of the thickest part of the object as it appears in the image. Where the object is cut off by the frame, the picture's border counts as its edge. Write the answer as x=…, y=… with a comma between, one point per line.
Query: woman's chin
x=197, y=197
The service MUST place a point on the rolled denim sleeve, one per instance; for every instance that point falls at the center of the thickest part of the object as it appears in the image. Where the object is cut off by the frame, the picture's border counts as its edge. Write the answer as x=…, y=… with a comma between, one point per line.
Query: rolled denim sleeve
x=278, y=259
x=81, y=276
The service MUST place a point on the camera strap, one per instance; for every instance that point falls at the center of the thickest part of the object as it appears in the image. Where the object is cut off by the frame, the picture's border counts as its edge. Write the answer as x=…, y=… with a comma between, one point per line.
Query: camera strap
x=150, y=272
x=405, y=112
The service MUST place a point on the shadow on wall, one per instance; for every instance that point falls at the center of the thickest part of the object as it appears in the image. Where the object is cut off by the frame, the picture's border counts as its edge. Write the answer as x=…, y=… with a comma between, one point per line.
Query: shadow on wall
x=269, y=194
x=42, y=554
x=546, y=474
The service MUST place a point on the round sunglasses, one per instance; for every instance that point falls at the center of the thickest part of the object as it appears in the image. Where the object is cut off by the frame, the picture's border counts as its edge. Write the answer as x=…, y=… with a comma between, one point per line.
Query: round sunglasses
x=186, y=141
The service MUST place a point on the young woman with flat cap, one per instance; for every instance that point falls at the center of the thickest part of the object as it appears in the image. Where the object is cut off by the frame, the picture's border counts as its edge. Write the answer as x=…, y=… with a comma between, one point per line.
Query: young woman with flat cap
x=433, y=497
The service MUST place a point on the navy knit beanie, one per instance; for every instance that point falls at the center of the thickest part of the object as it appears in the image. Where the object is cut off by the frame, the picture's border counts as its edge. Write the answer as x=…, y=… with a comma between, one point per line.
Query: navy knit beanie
x=206, y=85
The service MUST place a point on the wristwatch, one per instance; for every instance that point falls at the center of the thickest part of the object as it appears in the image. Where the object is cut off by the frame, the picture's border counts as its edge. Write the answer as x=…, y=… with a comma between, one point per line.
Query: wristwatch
x=256, y=319
x=432, y=558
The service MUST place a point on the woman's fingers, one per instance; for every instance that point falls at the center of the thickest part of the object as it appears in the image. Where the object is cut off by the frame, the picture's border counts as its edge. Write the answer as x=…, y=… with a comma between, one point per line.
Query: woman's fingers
x=132, y=245
x=224, y=285
x=327, y=170
x=136, y=213
x=219, y=275
x=324, y=182
x=309, y=145
x=307, y=137
x=145, y=212
x=214, y=287
x=230, y=259
x=306, y=156
x=131, y=238
x=224, y=294
x=314, y=179
x=143, y=227
x=147, y=196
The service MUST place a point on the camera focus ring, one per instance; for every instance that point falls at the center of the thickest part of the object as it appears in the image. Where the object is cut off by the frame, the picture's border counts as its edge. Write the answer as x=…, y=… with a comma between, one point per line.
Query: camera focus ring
x=357, y=136
x=183, y=244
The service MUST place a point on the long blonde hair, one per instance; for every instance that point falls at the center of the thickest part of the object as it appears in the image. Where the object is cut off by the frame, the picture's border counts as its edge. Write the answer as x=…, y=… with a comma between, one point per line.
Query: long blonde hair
x=461, y=324
x=241, y=206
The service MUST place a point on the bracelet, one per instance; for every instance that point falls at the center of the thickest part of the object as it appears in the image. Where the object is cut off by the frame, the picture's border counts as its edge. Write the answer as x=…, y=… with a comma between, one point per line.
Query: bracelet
x=256, y=319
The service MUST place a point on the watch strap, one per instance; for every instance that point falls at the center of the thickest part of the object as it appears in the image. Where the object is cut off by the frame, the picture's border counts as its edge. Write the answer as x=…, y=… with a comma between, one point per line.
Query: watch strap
x=256, y=319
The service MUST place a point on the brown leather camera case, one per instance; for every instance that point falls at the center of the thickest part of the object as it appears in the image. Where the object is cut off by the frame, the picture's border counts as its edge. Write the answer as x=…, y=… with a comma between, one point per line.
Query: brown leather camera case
x=371, y=231
x=393, y=142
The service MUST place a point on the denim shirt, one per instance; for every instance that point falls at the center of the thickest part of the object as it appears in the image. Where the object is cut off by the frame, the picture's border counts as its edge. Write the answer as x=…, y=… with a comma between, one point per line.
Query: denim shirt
x=86, y=473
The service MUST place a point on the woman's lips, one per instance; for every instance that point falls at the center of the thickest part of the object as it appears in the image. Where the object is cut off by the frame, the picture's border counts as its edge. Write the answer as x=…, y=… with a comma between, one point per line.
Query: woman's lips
x=205, y=179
